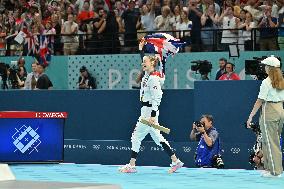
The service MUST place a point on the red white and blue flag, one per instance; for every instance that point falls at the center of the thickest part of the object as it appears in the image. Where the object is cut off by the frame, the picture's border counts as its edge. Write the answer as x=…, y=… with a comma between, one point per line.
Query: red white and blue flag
x=44, y=49
x=31, y=43
x=164, y=45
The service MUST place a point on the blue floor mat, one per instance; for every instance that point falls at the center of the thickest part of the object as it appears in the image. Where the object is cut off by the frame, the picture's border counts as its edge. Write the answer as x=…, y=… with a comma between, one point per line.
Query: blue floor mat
x=148, y=177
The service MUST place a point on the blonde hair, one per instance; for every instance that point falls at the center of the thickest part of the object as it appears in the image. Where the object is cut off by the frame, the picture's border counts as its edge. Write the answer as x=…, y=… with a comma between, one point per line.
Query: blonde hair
x=153, y=59
x=277, y=80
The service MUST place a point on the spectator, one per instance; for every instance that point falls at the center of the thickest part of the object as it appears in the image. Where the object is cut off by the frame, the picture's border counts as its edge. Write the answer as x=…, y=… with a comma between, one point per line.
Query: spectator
x=209, y=21
x=208, y=3
x=130, y=18
x=230, y=73
x=32, y=78
x=247, y=33
x=158, y=7
x=43, y=81
x=69, y=10
x=208, y=141
x=97, y=39
x=250, y=7
x=110, y=32
x=13, y=48
x=162, y=22
x=273, y=5
x=183, y=25
x=229, y=26
x=176, y=17
x=119, y=6
x=50, y=32
x=85, y=14
x=242, y=27
x=71, y=43
x=86, y=80
x=194, y=14
x=56, y=24
x=148, y=17
x=79, y=5
x=121, y=29
x=222, y=68
x=268, y=32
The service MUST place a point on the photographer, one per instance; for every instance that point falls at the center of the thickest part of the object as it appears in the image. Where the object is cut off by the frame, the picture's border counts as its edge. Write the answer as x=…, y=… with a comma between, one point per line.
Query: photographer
x=86, y=80
x=270, y=98
x=207, y=152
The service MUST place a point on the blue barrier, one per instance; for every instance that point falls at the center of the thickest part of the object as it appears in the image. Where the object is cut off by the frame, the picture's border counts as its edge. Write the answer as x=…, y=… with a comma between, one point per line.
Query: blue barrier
x=118, y=153
x=100, y=115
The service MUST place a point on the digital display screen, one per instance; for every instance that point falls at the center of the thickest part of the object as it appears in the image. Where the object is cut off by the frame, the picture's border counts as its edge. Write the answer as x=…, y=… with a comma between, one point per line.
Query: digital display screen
x=31, y=139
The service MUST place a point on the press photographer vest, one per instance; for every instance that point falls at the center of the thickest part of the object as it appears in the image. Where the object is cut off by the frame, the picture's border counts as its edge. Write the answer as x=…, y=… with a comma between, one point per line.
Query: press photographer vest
x=204, y=153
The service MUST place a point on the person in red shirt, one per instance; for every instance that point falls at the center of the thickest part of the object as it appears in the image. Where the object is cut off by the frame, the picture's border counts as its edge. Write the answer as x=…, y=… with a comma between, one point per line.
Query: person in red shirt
x=85, y=14
x=230, y=74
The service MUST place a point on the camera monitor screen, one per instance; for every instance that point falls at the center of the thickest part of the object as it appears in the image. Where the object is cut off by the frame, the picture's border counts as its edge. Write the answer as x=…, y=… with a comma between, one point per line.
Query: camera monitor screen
x=31, y=139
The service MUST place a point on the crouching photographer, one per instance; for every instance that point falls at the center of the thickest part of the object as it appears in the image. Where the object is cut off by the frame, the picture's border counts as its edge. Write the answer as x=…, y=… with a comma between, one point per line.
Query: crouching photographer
x=256, y=156
x=208, y=150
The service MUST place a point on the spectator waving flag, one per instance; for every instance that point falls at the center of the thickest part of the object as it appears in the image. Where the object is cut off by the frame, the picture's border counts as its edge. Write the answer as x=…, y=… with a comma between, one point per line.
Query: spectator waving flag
x=164, y=45
x=44, y=50
x=31, y=42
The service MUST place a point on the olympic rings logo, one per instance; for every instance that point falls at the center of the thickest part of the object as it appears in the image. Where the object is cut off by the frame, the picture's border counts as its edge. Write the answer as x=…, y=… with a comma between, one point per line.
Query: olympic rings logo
x=186, y=149
x=235, y=150
x=96, y=147
x=250, y=150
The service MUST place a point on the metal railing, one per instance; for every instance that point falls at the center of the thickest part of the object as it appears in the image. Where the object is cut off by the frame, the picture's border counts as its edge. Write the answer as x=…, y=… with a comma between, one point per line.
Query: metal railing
x=116, y=43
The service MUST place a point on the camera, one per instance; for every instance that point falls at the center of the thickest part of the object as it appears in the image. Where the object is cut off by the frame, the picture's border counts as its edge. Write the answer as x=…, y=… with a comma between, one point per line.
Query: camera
x=9, y=74
x=201, y=66
x=255, y=67
x=198, y=124
x=218, y=162
x=254, y=127
x=254, y=157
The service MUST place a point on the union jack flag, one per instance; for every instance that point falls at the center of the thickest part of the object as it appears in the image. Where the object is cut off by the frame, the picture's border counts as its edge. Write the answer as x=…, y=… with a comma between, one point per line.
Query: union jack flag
x=31, y=42
x=44, y=50
x=164, y=45
x=39, y=46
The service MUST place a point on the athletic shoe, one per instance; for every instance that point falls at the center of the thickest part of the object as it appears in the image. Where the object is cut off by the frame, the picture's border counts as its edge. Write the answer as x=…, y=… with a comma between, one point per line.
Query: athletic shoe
x=263, y=172
x=127, y=169
x=269, y=175
x=175, y=166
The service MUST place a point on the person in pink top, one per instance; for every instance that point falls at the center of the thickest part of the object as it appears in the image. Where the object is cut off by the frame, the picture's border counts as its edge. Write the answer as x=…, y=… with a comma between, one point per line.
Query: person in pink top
x=230, y=74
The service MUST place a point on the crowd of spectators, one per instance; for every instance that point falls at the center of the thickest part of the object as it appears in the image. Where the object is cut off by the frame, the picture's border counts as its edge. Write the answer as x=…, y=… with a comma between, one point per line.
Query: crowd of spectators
x=112, y=26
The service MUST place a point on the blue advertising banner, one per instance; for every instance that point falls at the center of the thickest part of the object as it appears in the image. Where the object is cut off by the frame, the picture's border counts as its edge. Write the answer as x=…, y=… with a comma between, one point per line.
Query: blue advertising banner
x=31, y=140
x=115, y=152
